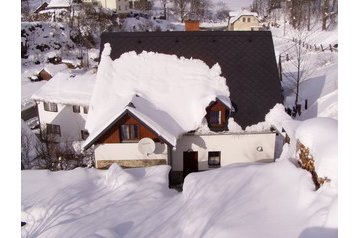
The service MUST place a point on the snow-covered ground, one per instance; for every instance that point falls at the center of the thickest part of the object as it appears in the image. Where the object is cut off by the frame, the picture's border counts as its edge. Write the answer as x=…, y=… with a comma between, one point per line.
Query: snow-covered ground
x=241, y=200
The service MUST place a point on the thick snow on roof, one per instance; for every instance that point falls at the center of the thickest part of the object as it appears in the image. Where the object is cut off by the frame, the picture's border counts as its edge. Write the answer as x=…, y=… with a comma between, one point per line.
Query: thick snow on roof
x=59, y=3
x=181, y=88
x=236, y=15
x=54, y=68
x=65, y=89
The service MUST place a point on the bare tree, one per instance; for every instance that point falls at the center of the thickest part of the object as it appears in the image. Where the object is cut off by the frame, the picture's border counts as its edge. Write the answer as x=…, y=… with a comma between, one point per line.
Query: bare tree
x=300, y=67
x=164, y=5
x=222, y=12
x=181, y=8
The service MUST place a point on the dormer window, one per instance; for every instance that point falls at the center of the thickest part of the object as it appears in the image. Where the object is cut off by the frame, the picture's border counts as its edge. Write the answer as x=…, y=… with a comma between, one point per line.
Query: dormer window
x=217, y=115
x=215, y=118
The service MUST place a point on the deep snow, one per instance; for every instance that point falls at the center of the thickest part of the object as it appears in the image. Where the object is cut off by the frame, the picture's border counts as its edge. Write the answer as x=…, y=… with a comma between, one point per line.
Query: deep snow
x=250, y=201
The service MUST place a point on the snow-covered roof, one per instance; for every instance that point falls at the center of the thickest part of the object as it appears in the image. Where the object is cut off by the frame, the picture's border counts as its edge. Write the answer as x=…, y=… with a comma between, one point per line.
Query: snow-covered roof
x=65, y=89
x=236, y=15
x=52, y=69
x=59, y=3
x=178, y=89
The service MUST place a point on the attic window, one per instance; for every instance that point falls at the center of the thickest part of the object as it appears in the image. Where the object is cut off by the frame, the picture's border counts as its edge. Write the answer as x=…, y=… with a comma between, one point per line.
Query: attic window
x=243, y=19
x=215, y=117
x=85, y=110
x=129, y=132
x=76, y=109
x=50, y=107
x=248, y=19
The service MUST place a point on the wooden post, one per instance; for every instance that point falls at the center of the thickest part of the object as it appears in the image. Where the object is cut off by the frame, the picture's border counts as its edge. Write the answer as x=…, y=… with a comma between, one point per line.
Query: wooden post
x=315, y=47
x=280, y=68
x=287, y=58
x=322, y=47
x=330, y=47
x=306, y=104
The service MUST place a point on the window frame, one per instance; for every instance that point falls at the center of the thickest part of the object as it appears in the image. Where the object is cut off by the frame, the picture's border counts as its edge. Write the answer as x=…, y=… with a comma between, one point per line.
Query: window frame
x=85, y=109
x=76, y=109
x=219, y=121
x=211, y=155
x=244, y=19
x=50, y=107
x=249, y=19
x=53, y=129
x=84, y=134
x=132, y=132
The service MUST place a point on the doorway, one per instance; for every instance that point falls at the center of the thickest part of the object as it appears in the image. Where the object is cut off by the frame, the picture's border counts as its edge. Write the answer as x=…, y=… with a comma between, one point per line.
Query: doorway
x=190, y=162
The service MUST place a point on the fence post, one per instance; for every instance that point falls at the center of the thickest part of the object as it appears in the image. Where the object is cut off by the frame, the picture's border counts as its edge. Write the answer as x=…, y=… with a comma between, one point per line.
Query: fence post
x=280, y=67
x=322, y=47
x=287, y=58
x=330, y=47
x=306, y=104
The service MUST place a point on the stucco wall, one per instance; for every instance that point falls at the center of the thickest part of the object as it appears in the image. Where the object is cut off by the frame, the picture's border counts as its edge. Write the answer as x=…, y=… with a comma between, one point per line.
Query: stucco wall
x=128, y=151
x=114, y=5
x=239, y=25
x=234, y=148
x=71, y=123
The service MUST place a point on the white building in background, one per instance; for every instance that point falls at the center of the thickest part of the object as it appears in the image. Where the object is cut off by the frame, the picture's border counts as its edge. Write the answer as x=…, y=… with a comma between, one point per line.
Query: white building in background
x=62, y=105
x=120, y=6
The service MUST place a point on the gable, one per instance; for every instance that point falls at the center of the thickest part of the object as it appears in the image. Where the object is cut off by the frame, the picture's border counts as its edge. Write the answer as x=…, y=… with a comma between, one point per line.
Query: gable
x=247, y=61
x=112, y=134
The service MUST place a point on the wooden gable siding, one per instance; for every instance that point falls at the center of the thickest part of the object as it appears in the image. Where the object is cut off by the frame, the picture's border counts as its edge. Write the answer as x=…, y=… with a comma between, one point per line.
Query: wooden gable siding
x=215, y=107
x=113, y=135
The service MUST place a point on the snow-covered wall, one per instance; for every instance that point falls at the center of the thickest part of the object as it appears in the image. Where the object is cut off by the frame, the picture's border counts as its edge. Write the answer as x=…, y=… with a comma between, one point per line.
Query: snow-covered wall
x=71, y=123
x=128, y=151
x=235, y=148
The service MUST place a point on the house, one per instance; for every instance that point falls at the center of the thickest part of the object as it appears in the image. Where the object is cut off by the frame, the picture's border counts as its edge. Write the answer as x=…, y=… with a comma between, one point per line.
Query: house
x=41, y=7
x=120, y=6
x=49, y=70
x=62, y=105
x=179, y=105
x=244, y=21
x=188, y=111
x=59, y=4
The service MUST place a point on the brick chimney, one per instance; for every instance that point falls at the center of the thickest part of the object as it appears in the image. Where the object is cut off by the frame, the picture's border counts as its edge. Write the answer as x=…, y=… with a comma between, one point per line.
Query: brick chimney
x=191, y=25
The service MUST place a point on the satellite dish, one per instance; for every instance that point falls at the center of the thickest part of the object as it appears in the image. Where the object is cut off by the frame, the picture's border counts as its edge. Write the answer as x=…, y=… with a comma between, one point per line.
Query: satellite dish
x=146, y=146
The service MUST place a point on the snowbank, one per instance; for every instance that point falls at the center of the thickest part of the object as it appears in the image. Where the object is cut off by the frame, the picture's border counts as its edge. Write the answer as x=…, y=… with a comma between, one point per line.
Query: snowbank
x=258, y=200
x=320, y=135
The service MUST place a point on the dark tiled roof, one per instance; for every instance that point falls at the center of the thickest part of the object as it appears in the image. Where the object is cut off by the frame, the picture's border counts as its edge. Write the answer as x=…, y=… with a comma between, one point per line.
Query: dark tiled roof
x=247, y=60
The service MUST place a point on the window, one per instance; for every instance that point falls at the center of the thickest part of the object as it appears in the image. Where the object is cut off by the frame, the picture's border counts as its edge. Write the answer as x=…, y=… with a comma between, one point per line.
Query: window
x=76, y=109
x=84, y=134
x=85, y=110
x=243, y=19
x=129, y=132
x=248, y=19
x=215, y=117
x=214, y=158
x=53, y=129
x=50, y=107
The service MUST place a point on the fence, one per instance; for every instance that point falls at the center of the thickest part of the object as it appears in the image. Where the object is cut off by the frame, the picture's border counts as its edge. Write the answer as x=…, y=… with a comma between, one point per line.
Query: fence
x=315, y=47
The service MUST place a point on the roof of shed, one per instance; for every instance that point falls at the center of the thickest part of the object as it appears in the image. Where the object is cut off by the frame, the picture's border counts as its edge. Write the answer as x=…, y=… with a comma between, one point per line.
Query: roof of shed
x=247, y=60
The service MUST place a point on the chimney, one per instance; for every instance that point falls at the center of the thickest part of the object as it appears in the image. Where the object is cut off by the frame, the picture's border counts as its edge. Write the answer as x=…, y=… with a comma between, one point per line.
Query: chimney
x=191, y=25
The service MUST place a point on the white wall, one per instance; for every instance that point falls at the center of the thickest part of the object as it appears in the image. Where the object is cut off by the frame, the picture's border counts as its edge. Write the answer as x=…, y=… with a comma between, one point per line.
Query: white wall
x=128, y=151
x=114, y=5
x=71, y=123
x=234, y=148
